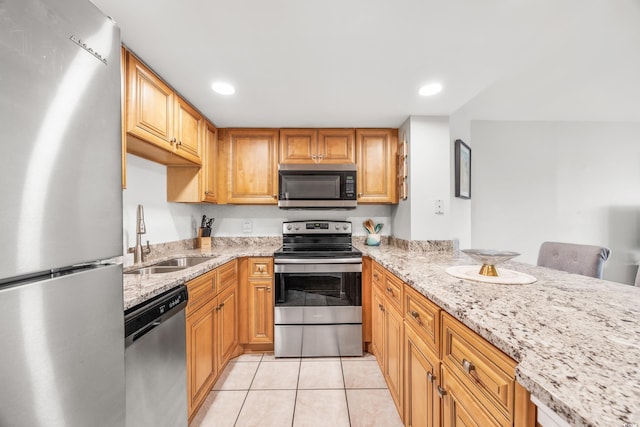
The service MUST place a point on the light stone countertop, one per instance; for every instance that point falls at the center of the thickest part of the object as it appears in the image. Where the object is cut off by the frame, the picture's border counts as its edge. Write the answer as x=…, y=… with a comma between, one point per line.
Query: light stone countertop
x=576, y=339
x=138, y=288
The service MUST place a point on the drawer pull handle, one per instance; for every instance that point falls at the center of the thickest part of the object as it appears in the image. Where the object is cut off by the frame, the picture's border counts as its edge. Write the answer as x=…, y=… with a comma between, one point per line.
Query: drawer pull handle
x=468, y=366
x=375, y=276
x=390, y=291
x=416, y=316
x=430, y=377
x=441, y=392
x=269, y=289
x=381, y=307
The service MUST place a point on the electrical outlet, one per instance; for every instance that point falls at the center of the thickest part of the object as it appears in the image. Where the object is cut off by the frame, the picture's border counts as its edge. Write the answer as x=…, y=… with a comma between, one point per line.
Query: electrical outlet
x=439, y=207
x=247, y=226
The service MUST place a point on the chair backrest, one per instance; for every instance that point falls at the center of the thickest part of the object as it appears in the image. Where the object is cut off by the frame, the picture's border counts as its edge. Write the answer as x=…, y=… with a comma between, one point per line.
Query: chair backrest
x=586, y=260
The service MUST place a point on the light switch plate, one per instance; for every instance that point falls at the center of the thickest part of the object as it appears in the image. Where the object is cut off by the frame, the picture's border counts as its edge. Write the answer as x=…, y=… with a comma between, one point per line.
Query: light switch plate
x=247, y=226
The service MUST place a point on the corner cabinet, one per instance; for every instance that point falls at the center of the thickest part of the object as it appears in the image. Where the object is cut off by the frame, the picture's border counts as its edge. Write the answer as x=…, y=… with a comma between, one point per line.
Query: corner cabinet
x=376, y=151
x=160, y=126
x=250, y=156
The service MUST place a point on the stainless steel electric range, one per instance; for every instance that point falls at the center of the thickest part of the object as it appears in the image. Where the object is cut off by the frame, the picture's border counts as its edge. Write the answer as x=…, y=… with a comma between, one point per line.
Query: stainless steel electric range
x=318, y=291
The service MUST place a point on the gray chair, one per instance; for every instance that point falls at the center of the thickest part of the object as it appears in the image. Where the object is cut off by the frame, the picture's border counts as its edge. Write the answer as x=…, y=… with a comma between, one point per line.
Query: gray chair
x=586, y=260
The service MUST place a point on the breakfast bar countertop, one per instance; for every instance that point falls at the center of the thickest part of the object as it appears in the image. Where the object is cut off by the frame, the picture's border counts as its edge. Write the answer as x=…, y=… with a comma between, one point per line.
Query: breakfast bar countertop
x=576, y=339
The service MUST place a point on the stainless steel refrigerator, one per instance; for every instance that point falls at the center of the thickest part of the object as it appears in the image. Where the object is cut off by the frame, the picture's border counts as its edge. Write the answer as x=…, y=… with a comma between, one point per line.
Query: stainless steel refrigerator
x=61, y=310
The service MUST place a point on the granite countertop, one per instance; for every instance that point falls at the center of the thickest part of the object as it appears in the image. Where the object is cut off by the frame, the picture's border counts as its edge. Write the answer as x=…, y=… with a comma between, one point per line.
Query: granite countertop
x=138, y=288
x=576, y=339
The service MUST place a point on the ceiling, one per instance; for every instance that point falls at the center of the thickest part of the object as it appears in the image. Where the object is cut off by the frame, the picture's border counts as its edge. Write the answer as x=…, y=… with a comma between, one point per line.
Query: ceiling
x=360, y=63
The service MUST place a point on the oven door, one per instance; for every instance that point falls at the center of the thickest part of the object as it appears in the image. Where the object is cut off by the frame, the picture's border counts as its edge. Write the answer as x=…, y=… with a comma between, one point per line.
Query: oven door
x=318, y=309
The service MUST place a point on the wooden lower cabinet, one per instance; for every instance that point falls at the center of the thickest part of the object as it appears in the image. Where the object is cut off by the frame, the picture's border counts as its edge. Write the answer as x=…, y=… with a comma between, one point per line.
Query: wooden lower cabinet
x=202, y=364
x=421, y=374
x=261, y=312
x=459, y=409
x=212, y=330
x=438, y=371
x=387, y=341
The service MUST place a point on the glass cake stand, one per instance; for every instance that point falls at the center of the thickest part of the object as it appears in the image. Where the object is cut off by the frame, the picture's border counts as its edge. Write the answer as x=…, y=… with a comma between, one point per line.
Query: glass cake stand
x=489, y=258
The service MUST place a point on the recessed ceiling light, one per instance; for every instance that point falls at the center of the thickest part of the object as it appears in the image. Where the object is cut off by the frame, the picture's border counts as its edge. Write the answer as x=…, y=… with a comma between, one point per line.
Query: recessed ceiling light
x=430, y=89
x=223, y=88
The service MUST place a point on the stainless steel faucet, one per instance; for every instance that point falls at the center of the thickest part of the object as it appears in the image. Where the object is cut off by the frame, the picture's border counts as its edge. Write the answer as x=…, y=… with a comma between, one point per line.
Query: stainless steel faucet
x=139, y=252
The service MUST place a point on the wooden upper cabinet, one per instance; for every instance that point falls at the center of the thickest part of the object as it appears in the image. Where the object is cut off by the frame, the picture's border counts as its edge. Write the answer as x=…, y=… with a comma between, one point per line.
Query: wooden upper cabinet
x=335, y=146
x=376, y=159
x=189, y=128
x=251, y=160
x=160, y=125
x=196, y=184
x=298, y=145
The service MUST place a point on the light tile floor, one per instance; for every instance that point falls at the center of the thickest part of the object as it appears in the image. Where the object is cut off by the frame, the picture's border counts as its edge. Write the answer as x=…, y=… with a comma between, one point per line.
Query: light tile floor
x=260, y=390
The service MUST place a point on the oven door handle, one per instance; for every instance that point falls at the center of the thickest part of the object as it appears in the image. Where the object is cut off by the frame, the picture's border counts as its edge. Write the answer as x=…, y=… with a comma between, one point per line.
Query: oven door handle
x=318, y=261
x=318, y=268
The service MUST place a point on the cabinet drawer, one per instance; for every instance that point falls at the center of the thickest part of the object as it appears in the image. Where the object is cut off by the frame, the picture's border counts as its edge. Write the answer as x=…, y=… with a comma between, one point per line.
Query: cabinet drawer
x=486, y=371
x=377, y=276
x=227, y=275
x=393, y=290
x=201, y=289
x=260, y=267
x=424, y=316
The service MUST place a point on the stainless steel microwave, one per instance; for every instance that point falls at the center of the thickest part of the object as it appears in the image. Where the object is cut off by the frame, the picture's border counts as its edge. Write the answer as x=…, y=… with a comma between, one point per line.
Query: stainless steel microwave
x=317, y=186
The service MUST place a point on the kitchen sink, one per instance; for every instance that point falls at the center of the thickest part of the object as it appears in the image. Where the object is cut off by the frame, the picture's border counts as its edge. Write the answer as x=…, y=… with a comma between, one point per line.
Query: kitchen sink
x=156, y=269
x=183, y=262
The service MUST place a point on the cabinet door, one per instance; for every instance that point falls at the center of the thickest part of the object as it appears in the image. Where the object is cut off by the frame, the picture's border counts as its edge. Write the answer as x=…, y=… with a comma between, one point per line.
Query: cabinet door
x=458, y=408
x=393, y=341
x=201, y=363
x=421, y=403
x=298, y=146
x=149, y=106
x=210, y=165
x=336, y=146
x=260, y=312
x=377, y=325
x=252, y=166
x=188, y=130
x=376, y=159
x=226, y=313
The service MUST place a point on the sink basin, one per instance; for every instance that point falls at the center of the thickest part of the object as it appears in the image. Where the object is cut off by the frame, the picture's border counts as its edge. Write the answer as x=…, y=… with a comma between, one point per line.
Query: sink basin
x=156, y=269
x=183, y=262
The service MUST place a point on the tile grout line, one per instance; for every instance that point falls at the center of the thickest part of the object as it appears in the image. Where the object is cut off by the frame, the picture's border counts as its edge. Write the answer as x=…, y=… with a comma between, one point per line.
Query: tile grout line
x=248, y=390
x=344, y=383
x=295, y=398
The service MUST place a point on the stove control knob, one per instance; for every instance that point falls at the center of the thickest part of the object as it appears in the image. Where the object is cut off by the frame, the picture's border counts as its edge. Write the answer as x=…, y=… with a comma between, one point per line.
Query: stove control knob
x=345, y=226
x=289, y=227
x=297, y=227
x=337, y=226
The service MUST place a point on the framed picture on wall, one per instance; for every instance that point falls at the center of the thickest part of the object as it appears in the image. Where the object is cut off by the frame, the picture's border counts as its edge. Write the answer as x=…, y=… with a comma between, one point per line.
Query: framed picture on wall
x=463, y=169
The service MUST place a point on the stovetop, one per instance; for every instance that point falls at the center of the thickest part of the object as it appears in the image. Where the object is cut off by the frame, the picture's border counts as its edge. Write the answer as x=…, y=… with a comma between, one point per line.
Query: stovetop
x=316, y=239
x=317, y=252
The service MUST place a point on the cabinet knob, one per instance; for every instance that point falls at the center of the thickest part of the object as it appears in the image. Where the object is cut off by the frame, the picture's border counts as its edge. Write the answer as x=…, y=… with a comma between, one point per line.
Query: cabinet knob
x=441, y=392
x=179, y=142
x=359, y=194
x=468, y=366
x=313, y=156
x=430, y=377
x=320, y=156
x=269, y=289
x=172, y=140
x=275, y=196
x=390, y=291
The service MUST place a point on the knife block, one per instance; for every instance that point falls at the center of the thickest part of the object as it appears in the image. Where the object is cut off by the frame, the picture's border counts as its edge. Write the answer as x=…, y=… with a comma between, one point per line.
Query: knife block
x=204, y=242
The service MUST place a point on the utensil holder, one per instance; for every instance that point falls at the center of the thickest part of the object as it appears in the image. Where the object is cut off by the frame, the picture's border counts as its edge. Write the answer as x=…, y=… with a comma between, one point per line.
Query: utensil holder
x=373, y=240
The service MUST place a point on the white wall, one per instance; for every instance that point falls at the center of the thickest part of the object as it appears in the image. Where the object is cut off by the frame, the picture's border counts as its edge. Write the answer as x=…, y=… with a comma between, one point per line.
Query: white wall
x=563, y=181
x=429, y=167
x=166, y=222
x=460, y=211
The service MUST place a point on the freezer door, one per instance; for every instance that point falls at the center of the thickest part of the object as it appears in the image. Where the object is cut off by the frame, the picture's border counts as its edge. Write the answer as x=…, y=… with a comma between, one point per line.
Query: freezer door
x=62, y=357
x=60, y=170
